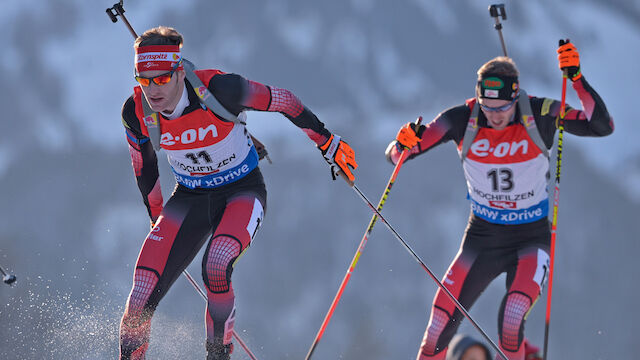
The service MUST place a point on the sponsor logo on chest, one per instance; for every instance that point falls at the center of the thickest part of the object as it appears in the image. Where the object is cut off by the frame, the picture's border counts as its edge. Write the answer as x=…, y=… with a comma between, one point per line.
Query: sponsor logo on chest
x=214, y=180
x=196, y=169
x=190, y=136
x=511, y=145
x=484, y=148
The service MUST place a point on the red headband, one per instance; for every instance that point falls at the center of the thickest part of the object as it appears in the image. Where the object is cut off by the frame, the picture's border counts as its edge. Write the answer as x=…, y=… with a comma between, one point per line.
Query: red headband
x=157, y=57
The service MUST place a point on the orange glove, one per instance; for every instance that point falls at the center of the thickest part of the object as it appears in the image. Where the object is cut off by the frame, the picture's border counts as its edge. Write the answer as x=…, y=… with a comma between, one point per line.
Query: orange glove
x=340, y=156
x=408, y=136
x=569, y=59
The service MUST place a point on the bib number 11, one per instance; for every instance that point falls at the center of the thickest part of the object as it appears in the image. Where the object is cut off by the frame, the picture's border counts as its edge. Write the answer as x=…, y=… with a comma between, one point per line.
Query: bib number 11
x=202, y=154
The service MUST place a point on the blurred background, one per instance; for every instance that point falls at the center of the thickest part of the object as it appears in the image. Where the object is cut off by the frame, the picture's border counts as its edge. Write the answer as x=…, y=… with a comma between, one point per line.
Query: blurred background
x=73, y=220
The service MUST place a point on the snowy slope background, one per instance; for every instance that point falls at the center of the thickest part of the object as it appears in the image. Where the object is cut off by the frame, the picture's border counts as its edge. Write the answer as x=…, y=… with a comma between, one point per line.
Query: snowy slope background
x=72, y=219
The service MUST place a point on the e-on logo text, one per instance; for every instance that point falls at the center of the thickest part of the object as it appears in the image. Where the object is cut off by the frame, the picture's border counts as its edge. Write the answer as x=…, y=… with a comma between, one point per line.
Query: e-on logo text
x=189, y=136
x=483, y=148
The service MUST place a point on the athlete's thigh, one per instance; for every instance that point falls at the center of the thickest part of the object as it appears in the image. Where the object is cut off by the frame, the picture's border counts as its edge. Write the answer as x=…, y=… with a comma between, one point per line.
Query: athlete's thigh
x=242, y=217
x=238, y=225
x=469, y=274
x=177, y=236
x=531, y=271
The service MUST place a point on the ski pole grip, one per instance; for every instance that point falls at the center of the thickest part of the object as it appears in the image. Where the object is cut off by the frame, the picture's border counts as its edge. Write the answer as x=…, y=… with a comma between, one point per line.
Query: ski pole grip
x=565, y=71
x=418, y=122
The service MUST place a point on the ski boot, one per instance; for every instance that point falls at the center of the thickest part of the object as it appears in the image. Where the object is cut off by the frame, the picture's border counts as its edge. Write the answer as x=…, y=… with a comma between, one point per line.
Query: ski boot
x=531, y=352
x=217, y=351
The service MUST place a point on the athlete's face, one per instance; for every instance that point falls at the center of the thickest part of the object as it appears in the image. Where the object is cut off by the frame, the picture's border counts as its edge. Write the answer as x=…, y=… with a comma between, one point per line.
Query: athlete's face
x=163, y=97
x=475, y=352
x=498, y=112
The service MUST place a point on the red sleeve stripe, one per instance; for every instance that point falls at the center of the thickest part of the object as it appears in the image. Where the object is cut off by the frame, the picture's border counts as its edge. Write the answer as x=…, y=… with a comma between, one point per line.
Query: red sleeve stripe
x=257, y=97
x=319, y=139
x=588, y=103
x=136, y=160
x=282, y=100
x=433, y=133
x=155, y=200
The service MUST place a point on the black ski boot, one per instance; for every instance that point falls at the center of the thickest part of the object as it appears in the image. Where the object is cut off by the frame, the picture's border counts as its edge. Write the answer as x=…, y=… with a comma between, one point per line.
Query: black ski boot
x=217, y=351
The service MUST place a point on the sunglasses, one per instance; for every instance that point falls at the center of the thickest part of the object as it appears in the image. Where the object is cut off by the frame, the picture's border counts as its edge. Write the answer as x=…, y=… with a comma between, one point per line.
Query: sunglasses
x=498, y=108
x=162, y=79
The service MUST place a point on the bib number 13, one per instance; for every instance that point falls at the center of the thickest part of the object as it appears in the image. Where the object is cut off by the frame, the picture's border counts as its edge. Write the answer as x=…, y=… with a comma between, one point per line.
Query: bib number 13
x=501, y=179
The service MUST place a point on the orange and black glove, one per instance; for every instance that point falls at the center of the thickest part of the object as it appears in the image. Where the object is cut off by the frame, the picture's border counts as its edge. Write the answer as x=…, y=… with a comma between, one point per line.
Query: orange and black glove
x=340, y=156
x=569, y=59
x=409, y=136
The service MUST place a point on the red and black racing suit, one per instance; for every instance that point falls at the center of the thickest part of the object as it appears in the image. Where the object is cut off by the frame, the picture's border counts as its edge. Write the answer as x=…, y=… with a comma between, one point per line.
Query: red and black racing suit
x=501, y=236
x=220, y=198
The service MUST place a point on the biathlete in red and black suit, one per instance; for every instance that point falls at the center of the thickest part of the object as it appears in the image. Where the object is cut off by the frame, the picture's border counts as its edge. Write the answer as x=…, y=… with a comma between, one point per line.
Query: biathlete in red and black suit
x=220, y=196
x=506, y=166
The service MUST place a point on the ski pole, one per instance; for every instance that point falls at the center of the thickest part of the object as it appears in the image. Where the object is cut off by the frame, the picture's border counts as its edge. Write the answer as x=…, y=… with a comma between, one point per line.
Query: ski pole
x=7, y=278
x=235, y=334
x=556, y=201
x=363, y=242
x=496, y=11
x=426, y=268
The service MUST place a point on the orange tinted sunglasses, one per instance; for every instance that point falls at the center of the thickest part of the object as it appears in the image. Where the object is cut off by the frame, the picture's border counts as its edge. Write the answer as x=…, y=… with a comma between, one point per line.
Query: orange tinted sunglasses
x=162, y=79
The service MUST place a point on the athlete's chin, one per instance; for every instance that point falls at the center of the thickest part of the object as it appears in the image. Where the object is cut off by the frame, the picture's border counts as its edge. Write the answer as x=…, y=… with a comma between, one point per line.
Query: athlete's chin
x=158, y=104
x=498, y=125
